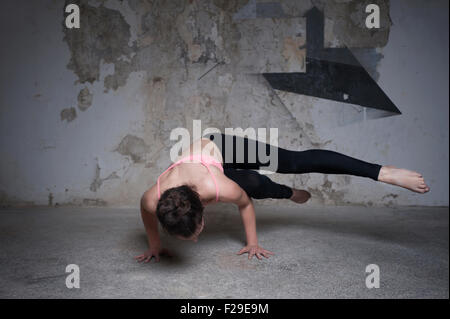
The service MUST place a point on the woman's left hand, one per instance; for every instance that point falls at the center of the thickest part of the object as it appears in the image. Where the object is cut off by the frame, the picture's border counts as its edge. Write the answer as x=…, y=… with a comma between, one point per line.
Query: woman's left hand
x=253, y=250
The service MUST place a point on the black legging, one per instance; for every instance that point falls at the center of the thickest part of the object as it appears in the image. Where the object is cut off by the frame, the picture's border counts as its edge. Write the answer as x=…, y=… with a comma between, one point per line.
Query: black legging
x=240, y=169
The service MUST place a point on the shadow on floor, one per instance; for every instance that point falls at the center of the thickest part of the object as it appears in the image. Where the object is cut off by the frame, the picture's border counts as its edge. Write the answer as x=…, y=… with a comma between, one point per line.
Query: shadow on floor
x=404, y=227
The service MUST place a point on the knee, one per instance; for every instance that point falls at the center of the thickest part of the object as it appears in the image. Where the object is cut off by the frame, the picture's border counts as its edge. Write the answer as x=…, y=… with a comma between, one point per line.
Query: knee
x=255, y=185
x=254, y=180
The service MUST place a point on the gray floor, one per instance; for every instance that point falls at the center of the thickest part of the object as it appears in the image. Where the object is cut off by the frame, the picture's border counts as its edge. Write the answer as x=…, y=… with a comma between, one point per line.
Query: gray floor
x=320, y=253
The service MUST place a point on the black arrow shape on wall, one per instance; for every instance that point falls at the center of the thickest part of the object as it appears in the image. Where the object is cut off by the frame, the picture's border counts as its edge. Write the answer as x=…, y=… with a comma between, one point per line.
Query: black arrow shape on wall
x=331, y=73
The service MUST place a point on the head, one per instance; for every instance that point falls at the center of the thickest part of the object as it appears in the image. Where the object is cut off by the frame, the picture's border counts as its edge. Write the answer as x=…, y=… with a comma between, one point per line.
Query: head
x=180, y=212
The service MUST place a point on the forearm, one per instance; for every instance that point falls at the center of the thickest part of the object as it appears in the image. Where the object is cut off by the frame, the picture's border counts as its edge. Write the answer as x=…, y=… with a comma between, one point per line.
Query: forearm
x=151, y=228
x=249, y=220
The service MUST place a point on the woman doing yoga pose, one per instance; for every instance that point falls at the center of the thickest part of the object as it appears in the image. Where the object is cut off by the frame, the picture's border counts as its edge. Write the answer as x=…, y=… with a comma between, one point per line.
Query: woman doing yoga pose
x=221, y=168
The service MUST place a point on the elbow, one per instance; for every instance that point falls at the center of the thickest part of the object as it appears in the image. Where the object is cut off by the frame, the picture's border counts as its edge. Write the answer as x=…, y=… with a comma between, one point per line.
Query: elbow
x=245, y=202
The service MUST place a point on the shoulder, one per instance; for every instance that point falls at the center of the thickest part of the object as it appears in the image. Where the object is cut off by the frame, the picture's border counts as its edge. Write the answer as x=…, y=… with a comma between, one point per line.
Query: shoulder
x=229, y=191
x=149, y=200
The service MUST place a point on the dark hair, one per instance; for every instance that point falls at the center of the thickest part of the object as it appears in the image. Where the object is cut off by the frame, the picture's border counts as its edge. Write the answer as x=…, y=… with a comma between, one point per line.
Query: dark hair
x=180, y=210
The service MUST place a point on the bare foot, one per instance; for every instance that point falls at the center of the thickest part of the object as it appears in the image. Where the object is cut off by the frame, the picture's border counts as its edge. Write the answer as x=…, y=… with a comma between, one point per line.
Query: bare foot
x=300, y=196
x=403, y=178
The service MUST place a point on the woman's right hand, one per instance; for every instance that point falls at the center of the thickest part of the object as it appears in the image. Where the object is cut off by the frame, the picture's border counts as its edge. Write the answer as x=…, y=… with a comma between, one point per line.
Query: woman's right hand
x=152, y=253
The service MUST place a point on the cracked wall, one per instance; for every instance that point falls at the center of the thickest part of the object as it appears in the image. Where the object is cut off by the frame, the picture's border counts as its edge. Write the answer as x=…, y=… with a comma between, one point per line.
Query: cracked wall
x=102, y=100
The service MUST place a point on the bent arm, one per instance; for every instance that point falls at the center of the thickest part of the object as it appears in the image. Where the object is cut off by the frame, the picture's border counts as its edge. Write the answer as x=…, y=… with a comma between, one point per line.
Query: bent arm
x=232, y=193
x=247, y=211
x=151, y=226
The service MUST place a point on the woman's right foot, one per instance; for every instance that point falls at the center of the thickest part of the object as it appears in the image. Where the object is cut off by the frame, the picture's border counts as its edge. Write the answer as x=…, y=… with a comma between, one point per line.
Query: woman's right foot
x=403, y=178
x=300, y=196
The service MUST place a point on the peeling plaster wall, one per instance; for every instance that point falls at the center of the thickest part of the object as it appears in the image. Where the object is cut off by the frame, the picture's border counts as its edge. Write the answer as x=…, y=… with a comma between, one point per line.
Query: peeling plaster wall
x=85, y=115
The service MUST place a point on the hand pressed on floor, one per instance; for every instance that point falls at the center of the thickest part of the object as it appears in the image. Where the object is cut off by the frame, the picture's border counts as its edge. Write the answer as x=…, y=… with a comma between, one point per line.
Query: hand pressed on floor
x=155, y=253
x=255, y=250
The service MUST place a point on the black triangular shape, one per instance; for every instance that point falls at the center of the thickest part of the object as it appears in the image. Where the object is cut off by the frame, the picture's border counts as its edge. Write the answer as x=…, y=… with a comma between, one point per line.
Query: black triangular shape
x=332, y=73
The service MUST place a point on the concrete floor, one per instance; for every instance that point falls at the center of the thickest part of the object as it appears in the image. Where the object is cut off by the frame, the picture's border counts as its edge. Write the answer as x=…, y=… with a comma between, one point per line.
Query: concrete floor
x=321, y=252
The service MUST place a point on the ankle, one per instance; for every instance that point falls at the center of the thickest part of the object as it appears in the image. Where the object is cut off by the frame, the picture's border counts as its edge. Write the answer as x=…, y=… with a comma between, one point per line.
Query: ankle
x=293, y=193
x=384, y=174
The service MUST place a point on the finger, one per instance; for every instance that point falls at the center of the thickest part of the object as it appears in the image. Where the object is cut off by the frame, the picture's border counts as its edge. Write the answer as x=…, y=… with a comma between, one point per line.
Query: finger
x=157, y=258
x=146, y=260
x=265, y=255
x=258, y=256
x=137, y=257
x=269, y=252
x=250, y=255
x=243, y=250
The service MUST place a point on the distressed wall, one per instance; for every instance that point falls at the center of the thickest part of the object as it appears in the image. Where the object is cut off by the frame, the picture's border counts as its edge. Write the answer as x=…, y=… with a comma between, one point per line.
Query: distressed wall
x=85, y=115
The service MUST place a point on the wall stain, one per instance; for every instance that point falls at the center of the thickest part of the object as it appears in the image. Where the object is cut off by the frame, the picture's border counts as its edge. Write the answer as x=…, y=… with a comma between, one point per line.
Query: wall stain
x=97, y=182
x=389, y=195
x=68, y=114
x=104, y=36
x=50, y=199
x=84, y=99
x=7, y=201
x=94, y=202
x=134, y=147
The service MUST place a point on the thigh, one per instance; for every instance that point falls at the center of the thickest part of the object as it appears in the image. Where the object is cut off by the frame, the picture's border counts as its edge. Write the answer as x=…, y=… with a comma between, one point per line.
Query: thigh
x=256, y=185
x=248, y=180
x=244, y=153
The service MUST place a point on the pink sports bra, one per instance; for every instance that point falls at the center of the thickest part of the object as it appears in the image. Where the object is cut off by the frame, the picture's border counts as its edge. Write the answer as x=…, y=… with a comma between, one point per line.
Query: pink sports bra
x=205, y=160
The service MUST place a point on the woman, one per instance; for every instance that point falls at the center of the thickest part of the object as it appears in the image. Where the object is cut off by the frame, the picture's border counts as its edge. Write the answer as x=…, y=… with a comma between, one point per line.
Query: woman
x=201, y=176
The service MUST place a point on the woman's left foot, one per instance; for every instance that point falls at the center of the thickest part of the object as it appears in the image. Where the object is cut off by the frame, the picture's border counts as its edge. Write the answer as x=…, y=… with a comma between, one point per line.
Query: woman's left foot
x=404, y=178
x=300, y=196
